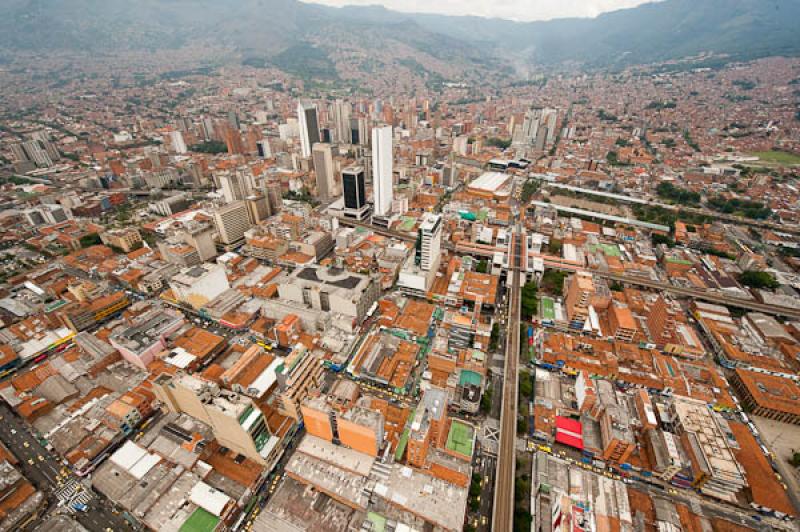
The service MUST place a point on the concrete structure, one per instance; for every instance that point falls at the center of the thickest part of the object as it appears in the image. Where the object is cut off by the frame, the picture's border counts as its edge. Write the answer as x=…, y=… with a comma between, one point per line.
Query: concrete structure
x=236, y=185
x=382, y=181
x=584, y=291
x=355, y=193
x=198, y=285
x=704, y=435
x=140, y=343
x=323, y=167
x=236, y=421
x=309, y=128
x=189, y=245
x=126, y=239
x=232, y=220
x=331, y=290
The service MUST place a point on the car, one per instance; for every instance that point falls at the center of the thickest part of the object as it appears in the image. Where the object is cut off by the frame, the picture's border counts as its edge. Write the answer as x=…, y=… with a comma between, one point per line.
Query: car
x=30, y=461
x=13, y=431
x=26, y=444
x=41, y=458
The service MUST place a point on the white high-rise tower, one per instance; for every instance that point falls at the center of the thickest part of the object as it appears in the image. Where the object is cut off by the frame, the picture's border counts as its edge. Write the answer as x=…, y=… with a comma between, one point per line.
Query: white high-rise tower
x=382, y=170
x=309, y=127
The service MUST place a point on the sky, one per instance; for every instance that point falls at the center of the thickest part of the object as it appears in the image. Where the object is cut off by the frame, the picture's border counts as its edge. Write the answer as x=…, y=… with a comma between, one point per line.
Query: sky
x=521, y=10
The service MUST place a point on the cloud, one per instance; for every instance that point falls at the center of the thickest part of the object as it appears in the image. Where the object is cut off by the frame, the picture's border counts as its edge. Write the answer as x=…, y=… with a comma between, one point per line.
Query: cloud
x=508, y=9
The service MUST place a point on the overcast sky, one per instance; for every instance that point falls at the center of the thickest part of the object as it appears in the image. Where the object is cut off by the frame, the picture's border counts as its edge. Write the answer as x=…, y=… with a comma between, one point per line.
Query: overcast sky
x=508, y=9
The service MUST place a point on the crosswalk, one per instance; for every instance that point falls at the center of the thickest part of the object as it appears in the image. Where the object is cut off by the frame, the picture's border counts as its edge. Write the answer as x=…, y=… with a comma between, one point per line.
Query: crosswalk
x=73, y=492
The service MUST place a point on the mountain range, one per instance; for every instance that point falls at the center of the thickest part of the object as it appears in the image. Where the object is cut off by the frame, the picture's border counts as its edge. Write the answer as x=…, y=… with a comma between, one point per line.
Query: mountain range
x=287, y=33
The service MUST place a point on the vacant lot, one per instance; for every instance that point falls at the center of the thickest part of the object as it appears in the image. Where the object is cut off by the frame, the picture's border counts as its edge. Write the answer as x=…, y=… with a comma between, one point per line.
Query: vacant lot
x=778, y=157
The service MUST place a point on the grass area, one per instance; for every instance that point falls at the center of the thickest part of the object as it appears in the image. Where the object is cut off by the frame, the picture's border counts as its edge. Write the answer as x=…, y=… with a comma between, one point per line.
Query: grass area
x=548, y=308
x=200, y=521
x=459, y=439
x=778, y=157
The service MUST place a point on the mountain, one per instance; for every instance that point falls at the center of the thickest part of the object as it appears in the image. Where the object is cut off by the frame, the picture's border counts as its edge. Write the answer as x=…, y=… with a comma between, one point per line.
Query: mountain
x=317, y=40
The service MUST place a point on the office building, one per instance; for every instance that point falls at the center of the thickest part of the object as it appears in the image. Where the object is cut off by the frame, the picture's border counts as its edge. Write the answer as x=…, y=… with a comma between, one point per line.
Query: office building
x=359, y=131
x=705, y=436
x=382, y=170
x=341, y=121
x=196, y=286
x=236, y=185
x=355, y=193
x=323, y=166
x=300, y=374
x=232, y=220
x=236, y=421
x=189, y=245
x=264, y=149
x=428, y=252
x=146, y=337
x=354, y=426
x=419, y=270
x=125, y=239
x=309, y=128
x=585, y=294
x=331, y=290
x=258, y=208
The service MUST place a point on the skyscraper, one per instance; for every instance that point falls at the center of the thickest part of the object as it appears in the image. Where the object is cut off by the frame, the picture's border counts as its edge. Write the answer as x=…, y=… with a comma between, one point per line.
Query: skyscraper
x=382, y=169
x=309, y=127
x=355, y=195
x=341, y=121
x=323, y=166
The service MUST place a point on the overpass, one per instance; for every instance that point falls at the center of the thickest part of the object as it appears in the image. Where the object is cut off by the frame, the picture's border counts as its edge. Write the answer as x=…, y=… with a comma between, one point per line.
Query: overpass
x=558, y=263
x=504, y=501
x=781, y=227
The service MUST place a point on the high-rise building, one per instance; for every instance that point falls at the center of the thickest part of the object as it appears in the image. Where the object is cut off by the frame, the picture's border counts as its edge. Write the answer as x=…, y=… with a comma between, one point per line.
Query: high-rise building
x=232, y=221
x=323, y=166
x=355, y=194
x=275, y=197
x=309, y=127
x=583, y=292
x=37, y=153
x=264, y=149
x=46, y=143
x=341, y=121
x=237, y=422
x=382, y=170
x=178, y=144
x=429, y=242
x=258, y=207
x=236, y=185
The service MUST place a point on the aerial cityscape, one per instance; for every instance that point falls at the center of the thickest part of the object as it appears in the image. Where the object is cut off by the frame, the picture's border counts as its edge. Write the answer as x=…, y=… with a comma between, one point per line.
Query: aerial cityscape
x=272, y=266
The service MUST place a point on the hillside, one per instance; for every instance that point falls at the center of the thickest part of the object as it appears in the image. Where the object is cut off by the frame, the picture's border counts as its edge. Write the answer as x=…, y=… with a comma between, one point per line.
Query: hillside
x=315, y=40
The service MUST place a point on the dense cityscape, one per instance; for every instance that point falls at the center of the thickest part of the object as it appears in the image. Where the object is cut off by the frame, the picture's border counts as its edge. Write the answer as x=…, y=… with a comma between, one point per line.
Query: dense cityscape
x=237, y=297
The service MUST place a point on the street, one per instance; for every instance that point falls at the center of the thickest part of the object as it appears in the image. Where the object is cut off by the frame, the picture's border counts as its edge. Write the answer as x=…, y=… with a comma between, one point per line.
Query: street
x=49, y=475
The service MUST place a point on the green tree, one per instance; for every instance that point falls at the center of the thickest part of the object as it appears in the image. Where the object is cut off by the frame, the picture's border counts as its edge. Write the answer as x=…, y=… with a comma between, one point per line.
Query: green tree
x=211, y=146
x=482, y=267
x=756, y=279
x=92, y=239
x=529, y=300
